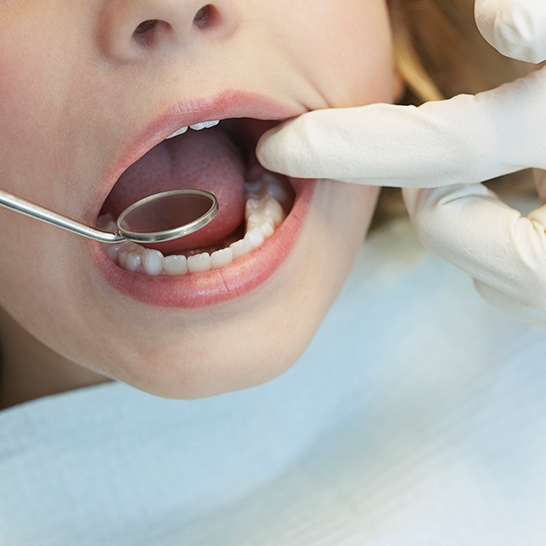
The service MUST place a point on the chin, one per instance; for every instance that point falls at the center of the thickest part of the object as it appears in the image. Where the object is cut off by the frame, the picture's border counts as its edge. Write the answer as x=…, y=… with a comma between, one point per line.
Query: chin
x=242, y=342
x=215, y=374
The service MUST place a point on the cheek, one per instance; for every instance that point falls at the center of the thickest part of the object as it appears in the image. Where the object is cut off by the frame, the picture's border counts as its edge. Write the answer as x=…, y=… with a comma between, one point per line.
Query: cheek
x=356, y=47
x=345, y=213
x=28, y=86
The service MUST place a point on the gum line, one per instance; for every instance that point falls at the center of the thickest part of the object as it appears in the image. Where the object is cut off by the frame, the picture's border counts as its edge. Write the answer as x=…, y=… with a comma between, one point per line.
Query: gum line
x=263, y=214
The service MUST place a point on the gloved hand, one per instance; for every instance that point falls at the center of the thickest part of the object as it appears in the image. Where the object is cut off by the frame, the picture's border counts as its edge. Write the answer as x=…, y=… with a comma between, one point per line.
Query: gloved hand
x=443, y=145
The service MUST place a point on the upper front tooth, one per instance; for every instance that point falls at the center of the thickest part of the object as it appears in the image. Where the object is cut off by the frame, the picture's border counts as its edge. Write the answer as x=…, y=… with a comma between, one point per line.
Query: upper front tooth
x=196, y=127
x=180, y=131
x=205, y=125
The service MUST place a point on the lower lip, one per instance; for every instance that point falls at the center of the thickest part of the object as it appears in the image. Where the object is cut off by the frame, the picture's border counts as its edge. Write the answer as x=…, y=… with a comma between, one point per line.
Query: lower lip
x=196, y=290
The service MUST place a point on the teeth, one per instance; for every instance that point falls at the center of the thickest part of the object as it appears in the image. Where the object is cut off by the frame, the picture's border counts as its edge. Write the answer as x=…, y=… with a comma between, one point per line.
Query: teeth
x=152, y=261
x=178, y=133
x=221, y=258
x=240, y=248
x=204, y=125
x=133, y=260
x=255, y=237
x=175, y=265
x=199, y=263
x=195, y=127
x=263, y=215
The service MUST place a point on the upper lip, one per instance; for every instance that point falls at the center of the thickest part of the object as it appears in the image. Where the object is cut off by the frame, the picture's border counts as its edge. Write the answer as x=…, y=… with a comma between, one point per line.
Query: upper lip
x=229, y=104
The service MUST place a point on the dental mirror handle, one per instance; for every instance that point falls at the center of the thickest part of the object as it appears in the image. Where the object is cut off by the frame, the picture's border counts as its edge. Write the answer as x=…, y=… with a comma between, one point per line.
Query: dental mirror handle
x=32, y=210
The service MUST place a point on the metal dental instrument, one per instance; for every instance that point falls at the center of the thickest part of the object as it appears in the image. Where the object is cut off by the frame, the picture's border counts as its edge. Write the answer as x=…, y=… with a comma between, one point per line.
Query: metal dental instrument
x=161, y=217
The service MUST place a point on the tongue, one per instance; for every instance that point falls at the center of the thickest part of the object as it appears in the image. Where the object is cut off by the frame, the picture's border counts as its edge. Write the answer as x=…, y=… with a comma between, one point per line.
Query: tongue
x=205, y=160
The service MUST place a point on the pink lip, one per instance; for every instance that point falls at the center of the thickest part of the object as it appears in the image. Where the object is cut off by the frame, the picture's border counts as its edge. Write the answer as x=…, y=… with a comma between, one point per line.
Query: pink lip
x=242, y=275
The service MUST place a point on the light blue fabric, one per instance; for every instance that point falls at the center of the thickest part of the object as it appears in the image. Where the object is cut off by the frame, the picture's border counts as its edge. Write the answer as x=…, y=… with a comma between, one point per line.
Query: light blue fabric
x=416, y=417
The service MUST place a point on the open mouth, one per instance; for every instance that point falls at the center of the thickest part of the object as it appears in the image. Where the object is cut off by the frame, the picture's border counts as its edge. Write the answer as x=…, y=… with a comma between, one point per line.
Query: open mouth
x=260, y=213
x=214, y=156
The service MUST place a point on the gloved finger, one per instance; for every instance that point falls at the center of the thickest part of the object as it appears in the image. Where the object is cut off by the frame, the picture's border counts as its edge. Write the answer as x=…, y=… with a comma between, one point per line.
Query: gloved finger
x=469, y=138
x=471, y=227
x=533, y=316
x=516, y=28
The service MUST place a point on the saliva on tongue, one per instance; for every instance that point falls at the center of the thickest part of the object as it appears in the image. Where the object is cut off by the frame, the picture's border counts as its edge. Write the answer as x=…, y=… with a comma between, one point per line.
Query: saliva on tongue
x=206, y=160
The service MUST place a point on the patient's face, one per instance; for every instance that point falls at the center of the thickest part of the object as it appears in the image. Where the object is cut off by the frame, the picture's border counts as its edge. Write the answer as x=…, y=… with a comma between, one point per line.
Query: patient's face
x=90, y=90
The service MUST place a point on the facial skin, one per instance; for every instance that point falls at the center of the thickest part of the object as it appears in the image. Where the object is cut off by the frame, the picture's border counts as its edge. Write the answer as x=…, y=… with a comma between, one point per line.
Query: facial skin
x=77, y=84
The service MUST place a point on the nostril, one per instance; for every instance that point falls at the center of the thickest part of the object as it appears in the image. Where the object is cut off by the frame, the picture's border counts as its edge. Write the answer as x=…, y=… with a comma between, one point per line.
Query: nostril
x=204, y=17
x=145, y=27
x=145, y=33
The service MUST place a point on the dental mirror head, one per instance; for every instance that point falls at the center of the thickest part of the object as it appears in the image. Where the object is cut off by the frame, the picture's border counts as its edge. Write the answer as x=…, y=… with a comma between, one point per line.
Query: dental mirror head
x=167, y=216
x=160, y=217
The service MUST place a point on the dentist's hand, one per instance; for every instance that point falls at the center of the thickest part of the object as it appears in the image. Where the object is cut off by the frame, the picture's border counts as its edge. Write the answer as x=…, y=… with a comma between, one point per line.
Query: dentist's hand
x=467, y=139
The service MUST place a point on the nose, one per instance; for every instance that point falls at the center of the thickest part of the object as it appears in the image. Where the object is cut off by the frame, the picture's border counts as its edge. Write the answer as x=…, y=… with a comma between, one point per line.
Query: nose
x=127, y=28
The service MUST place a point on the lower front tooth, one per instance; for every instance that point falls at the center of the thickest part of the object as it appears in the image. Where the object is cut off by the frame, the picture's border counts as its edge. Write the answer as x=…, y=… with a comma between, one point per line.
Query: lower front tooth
x=199, y=263
x=221, y=258
x=175, y=265
x=152, y=262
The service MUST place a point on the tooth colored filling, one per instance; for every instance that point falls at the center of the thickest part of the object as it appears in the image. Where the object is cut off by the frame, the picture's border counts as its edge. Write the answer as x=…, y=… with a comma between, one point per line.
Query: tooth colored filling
x=263, y=214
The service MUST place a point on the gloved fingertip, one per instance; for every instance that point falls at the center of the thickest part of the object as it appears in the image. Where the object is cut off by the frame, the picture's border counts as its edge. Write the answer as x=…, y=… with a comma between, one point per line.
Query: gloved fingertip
x=516, y=28
x=268, y=150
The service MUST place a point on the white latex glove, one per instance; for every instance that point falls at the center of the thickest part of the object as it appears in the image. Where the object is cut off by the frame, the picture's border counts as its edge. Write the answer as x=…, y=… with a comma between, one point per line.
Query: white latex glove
x=503, y=251
x=465, y=139
x=516, y=28
x=448, y=145
x=469, y=138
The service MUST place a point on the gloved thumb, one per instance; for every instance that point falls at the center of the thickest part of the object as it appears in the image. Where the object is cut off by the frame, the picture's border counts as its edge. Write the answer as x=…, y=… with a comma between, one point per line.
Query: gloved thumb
x=516, y=28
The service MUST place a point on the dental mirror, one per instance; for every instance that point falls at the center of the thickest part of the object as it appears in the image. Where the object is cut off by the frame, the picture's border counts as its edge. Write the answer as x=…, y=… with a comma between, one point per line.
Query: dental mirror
x=161, y=217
